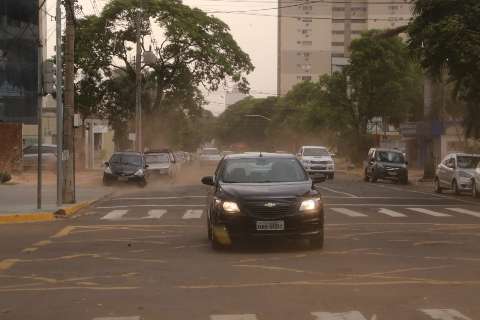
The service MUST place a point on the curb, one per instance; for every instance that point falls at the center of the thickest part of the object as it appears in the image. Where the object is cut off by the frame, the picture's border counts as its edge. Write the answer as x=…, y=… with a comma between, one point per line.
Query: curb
x=44, y=216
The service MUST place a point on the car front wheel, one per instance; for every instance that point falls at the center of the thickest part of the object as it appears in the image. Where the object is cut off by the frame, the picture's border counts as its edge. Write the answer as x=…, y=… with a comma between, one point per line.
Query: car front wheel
x=437, y=187
x=475, y=193
x=317, y=242
x=455, y=188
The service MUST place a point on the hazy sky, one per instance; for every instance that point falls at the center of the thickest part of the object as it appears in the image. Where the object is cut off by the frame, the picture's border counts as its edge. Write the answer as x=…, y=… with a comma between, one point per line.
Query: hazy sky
x=256, y=35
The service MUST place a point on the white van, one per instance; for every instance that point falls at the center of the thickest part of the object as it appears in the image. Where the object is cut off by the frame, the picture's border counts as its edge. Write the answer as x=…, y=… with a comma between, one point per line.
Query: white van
x=317, y=161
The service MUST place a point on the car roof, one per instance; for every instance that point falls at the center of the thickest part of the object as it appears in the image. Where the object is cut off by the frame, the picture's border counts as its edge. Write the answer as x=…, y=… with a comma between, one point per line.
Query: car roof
x=387, y=149
x=128, y=152
x=314, y=147
x=255, y=155
x=465, y=154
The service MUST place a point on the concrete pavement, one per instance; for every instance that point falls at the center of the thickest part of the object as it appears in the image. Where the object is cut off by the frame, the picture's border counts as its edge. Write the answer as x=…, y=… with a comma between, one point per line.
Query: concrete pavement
x=392, y=252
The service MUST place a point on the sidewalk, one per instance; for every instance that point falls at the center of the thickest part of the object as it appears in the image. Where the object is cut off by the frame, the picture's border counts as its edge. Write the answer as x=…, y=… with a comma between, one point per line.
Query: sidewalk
x=18, y=199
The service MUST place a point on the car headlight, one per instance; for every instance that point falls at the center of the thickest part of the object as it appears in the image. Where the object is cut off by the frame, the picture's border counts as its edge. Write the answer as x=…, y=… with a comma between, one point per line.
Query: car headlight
x=464, y=175
x=306, y=161
x=139, y=172
x=230, y=207
x=310, y=204
x=108, y=170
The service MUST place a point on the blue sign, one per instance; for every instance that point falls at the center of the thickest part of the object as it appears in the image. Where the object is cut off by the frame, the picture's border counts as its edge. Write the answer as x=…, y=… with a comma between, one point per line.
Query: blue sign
x=19, y=43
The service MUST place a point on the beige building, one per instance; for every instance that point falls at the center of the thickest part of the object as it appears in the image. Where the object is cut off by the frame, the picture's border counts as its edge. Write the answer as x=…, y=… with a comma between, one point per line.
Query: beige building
x=314, y=36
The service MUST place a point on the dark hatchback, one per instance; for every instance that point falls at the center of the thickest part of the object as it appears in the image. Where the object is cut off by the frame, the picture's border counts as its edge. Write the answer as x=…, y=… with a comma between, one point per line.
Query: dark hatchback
x=262, y=196
x=125, y=167
x=387, y=164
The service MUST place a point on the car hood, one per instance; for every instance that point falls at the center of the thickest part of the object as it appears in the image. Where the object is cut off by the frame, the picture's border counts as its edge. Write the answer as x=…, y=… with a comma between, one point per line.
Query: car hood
x=393, y=165
x=267, y=190
x=319, y=158
x=127, y=169
x=158, y=165
x=470, y=172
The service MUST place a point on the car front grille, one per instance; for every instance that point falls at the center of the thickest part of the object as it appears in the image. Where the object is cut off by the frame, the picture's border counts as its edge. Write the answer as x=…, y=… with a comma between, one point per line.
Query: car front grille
x=263, y=209
x=320, y=162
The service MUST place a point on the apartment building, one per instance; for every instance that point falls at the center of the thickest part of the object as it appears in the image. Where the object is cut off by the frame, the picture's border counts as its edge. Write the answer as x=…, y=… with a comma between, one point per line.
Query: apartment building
x=314, y=36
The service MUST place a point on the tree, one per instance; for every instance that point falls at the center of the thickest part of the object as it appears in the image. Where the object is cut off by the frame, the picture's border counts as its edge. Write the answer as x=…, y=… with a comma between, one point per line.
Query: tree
x=445, y=35
x=192, y=49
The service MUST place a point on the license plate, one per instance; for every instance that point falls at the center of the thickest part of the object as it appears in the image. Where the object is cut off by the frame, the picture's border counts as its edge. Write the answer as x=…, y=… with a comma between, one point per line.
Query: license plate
x=122, y=178
x=270, y=225
x=393, y=173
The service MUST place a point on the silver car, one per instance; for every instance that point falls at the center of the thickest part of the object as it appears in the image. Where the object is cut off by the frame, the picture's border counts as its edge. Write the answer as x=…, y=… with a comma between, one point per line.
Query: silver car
x=456, y=172
x=49, y=157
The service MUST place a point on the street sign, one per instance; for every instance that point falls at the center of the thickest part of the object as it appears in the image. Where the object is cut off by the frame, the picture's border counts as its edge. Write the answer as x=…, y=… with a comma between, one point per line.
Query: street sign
x=19, y=61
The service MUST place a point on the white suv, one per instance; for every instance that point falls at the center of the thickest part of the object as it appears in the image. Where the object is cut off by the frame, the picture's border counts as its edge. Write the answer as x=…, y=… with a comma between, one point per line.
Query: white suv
x=456, y=172
x=317, y=161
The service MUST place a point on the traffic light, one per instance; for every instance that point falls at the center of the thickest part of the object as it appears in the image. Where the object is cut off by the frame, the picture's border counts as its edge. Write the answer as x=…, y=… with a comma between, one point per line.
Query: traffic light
x=49, y=77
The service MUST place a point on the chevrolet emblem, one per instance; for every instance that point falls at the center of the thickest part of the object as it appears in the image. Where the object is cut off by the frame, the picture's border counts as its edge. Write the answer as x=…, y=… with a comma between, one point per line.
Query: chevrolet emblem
x=270, y=204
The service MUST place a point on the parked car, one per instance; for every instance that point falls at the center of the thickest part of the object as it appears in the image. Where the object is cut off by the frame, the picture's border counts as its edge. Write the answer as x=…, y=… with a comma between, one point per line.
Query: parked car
x=387, y=164
x=49, y=157
x=317, y=161
x=160, y=164
x=263, y=195
x=125, y=167
x=209, y=157
x=456, y=172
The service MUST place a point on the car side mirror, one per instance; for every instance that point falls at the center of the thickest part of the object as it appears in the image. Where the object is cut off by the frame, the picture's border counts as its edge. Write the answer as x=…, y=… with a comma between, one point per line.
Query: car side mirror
x=406, y=163
x=299, y=154
x=146, y=166
x=208, y=181
x=106, y=164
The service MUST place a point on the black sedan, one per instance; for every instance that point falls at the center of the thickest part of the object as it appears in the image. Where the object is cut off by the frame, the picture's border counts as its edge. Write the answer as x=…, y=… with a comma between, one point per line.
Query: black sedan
x=262, y=195
x=126, y=167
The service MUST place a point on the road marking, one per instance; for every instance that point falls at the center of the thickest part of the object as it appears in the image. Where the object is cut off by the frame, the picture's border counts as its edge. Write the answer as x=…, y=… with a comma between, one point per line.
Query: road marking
x=391, y=213
x=193, y=214
x=27, y=250
x=152, y=206
x=382, y=205
x=7, y=264
x=155, y=214
x=336, y=191
x=465, y=211
x=158, y=198
x=350, y=315
x=429, y=212
x=64, y=232
x=349, y=212
x=114, y=215
x=118, y=318
x=248, y=316
x=445, y=314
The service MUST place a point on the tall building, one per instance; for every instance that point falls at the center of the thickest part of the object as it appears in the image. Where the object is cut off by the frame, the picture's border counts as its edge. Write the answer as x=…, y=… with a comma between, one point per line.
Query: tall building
x=314, y=36
x=233, y=96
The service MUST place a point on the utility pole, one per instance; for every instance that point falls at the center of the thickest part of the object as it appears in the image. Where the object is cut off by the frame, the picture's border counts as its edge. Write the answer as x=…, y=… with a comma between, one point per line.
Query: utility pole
x=138, y=86
x=39, y=116
x=59, y=99
x=69, y=141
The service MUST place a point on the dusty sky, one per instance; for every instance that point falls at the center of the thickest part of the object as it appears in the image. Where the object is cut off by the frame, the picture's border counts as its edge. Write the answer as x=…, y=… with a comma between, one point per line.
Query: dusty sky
x=256, y=35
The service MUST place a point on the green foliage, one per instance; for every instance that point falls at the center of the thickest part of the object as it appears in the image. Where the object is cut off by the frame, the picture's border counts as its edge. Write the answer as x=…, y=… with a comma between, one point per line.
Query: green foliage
x=5, y=177
x=445, y=35
x=192, y=49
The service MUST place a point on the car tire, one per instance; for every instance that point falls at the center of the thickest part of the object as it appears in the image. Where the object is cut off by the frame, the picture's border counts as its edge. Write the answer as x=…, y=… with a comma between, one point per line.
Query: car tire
x=373, y=177
x=209, y=232
x=436, y=186
x=404, y=180
x=106, y=182
x=331, y=176
x=317, y=242
x=455, y=187
x=475, y=193
x=217, y=246
x=365, y=177
x=142, y=183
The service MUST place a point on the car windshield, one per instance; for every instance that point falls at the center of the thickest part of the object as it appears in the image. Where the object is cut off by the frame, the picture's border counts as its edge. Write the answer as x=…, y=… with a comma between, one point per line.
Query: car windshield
x=390, y=157
x=262, y=170
x=467, y=162
x=132, y=159
x=210, y=152
x=157, y=158
x=315, y=152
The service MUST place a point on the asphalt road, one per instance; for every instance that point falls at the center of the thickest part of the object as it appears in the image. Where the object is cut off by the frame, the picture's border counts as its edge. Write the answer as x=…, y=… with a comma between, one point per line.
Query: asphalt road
x=392, y=252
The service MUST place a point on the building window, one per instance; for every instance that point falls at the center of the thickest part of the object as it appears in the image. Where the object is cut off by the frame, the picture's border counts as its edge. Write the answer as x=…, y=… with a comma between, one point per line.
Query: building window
x=338, y=9
x=306, y=78
x=306, y=43
x=338, y=32
x=338, y=55
x=338, y=44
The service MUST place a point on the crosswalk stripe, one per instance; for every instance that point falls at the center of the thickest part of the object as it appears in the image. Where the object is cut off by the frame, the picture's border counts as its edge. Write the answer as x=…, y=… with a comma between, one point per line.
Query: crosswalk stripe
x=429, y=212
x=391, y=213
x=465, y=211
x=114, y=215
x=192, y=214
x=155, y=214
x=350, y=315
x=234, y=317
x=118, y=318
x=445, y=314
x=349, y=212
